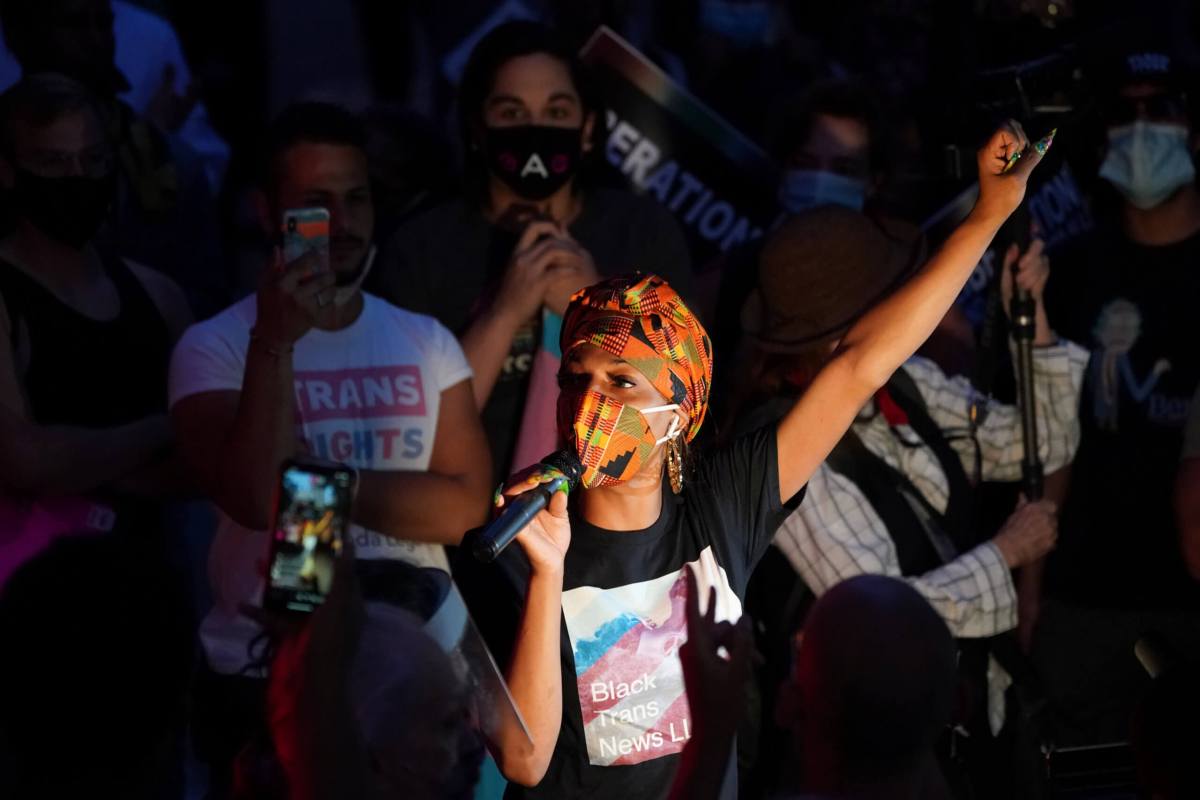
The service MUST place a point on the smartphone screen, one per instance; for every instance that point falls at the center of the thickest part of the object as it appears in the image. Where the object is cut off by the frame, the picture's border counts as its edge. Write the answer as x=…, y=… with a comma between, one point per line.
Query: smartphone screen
x=306, y=229
x=312, y=511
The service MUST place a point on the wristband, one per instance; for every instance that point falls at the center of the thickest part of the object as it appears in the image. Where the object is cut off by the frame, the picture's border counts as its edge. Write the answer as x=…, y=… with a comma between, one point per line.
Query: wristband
x=276, y=352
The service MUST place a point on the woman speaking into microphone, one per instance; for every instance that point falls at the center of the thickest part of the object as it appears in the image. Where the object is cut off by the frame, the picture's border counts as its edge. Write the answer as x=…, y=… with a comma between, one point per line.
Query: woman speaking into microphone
x=588, y=614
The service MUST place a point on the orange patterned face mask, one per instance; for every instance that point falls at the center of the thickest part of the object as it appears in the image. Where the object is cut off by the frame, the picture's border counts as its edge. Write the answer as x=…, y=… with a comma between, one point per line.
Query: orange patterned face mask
x=613, y=440
x=640, y=319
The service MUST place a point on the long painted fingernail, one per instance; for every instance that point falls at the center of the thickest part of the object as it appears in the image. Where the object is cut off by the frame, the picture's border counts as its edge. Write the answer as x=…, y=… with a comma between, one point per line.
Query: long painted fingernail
x=547, y=475
x=1044, y=143
x=1012, y=161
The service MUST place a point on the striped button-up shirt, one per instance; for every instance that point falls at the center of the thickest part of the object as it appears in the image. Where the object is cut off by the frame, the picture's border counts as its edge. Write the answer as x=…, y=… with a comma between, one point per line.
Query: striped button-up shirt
x=836, y=534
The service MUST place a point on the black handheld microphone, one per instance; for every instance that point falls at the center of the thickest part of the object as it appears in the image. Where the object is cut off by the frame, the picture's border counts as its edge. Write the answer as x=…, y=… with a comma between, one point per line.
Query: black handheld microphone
x=524, y=507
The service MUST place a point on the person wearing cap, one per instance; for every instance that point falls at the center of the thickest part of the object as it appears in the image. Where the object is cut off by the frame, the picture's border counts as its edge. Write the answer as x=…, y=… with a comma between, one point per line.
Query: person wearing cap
x=589, y=612
x=895, y=495
x=1130, y=291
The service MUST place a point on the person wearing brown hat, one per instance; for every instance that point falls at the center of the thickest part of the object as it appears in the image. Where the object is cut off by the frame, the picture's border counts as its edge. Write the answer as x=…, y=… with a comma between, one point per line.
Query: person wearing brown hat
x=821, y=271
x=894, y=497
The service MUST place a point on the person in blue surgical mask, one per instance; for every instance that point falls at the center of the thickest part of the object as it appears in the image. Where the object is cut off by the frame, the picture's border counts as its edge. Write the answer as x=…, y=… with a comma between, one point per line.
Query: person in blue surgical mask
x=1149, y=155
x=831, y=144
x=833, y=149
x=1130, y=291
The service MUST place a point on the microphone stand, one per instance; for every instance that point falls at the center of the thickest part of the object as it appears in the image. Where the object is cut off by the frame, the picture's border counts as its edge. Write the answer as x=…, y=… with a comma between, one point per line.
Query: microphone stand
x=1031, y=735
x=1023, y=315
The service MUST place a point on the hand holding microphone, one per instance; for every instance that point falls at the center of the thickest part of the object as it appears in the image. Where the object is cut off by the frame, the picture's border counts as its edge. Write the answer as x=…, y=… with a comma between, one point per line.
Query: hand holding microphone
x=534, y=512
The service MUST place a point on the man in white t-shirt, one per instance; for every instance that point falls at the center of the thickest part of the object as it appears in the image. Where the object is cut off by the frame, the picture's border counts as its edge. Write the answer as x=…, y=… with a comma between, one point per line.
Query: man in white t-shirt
x=310, y=364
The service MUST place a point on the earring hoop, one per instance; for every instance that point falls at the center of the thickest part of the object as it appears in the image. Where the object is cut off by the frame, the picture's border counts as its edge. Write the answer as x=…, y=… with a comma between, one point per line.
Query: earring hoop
x=675, y=465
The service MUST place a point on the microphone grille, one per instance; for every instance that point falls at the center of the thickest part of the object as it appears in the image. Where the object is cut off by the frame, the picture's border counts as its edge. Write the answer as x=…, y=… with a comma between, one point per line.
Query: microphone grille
x=566, y=462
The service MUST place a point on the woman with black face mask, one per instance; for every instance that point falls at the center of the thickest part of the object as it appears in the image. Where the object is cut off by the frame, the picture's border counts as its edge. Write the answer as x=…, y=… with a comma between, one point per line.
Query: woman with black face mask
x=498, y=264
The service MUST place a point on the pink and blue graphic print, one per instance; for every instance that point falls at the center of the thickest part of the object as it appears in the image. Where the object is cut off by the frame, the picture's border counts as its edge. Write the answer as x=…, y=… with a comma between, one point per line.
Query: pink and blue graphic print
x=626, y=643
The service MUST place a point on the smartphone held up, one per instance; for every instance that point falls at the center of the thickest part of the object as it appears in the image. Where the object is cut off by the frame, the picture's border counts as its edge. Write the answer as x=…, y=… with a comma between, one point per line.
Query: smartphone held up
x=312, y=513
x=306, y=230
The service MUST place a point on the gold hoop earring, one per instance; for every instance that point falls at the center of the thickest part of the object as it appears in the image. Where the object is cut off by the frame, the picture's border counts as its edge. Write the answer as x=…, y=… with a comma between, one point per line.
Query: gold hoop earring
x=675, y=465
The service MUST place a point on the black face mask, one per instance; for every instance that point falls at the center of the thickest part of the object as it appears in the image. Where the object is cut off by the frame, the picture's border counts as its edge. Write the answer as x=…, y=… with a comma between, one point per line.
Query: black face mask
x=535, y=161
x=69, y=210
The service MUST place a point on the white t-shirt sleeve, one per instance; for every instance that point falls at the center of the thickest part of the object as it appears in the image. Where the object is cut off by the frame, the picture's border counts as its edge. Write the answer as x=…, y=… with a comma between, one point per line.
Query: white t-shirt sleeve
x=450, y=364
x=208, y=358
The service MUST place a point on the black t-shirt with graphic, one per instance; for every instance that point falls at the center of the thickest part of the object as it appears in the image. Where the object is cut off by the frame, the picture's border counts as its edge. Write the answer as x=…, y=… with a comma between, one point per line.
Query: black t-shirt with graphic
x=625, y=713
x=1138, y=309
x=448, y=263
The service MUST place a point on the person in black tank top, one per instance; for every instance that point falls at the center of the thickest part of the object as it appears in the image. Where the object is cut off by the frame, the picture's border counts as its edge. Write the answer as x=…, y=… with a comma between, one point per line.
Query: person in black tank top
x=85, y=338
x=84, y=371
